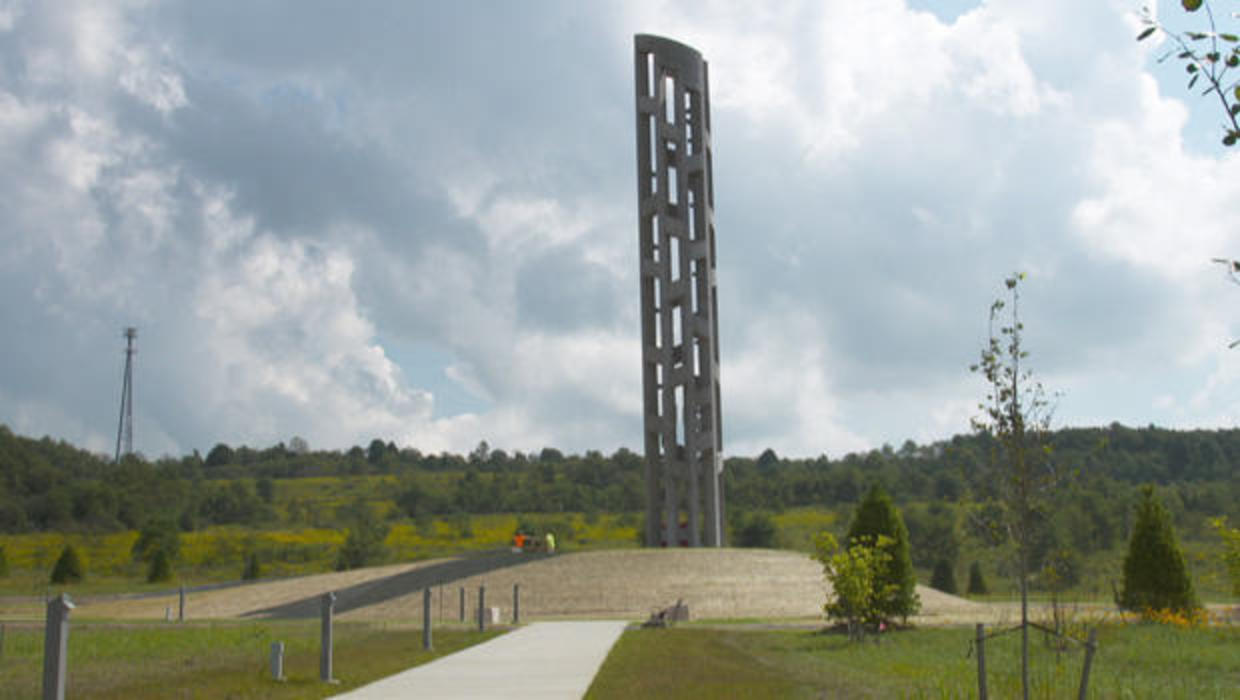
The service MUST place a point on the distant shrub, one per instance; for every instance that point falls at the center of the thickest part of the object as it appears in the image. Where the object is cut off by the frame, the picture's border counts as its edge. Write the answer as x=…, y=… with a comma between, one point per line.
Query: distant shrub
x=1155, y=575
x=4, y=562
x=756, y=530
x=876, y=515
x=944, y=577
x=252, y=571
x=977, y=582
x=68, y=568
x=160, y=567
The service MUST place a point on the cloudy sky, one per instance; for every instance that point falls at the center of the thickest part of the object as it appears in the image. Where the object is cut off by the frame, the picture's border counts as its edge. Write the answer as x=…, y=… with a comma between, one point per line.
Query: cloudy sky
x=417, y=221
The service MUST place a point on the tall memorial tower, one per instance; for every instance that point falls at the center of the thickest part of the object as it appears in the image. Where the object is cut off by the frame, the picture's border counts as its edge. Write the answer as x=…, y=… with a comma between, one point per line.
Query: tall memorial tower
x=680, y=351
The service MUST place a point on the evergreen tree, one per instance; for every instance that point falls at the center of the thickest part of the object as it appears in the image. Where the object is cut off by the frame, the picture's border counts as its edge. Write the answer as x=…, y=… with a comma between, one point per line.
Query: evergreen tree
x=252, y=571
x=68, y=568
x=977, y=583
x=160, y=567
x=1155, y=575
x=877, y=515
x=944, y=577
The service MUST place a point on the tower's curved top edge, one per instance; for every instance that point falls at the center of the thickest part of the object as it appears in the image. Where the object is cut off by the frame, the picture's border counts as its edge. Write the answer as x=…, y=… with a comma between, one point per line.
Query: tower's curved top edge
x=681, y=53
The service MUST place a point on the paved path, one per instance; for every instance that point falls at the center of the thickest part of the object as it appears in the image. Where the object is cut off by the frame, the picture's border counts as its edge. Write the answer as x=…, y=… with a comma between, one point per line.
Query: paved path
x=541, y=660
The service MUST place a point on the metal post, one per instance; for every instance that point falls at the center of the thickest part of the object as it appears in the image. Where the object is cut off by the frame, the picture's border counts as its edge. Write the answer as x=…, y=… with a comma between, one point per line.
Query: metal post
x=56, y=647
x=181, y=610
x=516, y=603
x=326, y=602
x=482, y=601
x=981, y=661
x=462, y=603
x=1090, y=647
x=426, y=619
x=277, y=661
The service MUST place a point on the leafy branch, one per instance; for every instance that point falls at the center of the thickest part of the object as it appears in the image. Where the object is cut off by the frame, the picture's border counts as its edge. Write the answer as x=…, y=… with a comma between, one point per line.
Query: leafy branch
x=1204, y=54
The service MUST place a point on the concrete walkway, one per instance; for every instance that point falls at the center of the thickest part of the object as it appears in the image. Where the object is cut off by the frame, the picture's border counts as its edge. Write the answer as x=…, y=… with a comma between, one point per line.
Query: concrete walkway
x=540, y=660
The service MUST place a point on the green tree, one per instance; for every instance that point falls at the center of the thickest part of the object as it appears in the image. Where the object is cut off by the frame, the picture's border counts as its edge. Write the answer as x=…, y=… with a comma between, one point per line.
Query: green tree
x=252, y=570
x=363, y=545
x=1231, y=551
x=756, y=530
x=1205, y=52
x=877, y=515
x=977, y=582
x=158, y=535
x=856, y=577
x=944, y=577
x=68, y=567
x=1155, y=575
x=160, y=567
x=4, y=562
x=1016, y=415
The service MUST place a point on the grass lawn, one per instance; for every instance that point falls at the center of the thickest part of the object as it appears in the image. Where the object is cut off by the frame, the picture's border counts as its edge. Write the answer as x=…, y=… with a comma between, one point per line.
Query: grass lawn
x=1133, y=661
x=220, y=660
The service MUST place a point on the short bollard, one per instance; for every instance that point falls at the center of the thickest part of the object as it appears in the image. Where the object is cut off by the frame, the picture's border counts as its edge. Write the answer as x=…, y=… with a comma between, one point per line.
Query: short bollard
x=277, y=661
x=482, y=609
x=181, y=609
x=462, y=603
x=56, y=647
x=516, y=603
x=426, y=619
x=326, y=602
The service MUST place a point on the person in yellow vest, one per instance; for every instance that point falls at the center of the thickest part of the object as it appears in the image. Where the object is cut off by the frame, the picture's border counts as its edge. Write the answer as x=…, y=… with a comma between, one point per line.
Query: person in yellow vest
x=550, y=543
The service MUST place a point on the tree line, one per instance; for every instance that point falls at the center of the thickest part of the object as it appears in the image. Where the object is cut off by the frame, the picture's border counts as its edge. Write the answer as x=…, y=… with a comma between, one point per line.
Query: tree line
x=51, y=485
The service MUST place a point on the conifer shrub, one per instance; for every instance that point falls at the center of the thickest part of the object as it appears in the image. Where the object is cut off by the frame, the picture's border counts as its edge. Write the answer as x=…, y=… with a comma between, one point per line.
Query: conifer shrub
x=977, y=582
x=68, y=567
x=252, y=570
x=159, y=568
x=944, y=577
x=1155, y=574
x=877, y=515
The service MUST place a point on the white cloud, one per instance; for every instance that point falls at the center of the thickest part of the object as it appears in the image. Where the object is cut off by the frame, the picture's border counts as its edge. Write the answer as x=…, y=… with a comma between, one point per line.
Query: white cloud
x=267, y=204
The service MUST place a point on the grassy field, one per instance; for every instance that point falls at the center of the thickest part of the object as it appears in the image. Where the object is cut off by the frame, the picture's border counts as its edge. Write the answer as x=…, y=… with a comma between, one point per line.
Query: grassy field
x=1133, y=661
x=218, y=553
x=222, y=660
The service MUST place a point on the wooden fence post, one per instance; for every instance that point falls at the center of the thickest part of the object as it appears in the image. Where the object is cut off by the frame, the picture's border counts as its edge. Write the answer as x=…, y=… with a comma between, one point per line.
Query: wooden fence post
x=1090, y=647
x=516, y=603
x=462, y=603
x=327, y=603
x=181, y=609
x=981, y=661
x=426, y=619
x=482, y=600
x=56, y=647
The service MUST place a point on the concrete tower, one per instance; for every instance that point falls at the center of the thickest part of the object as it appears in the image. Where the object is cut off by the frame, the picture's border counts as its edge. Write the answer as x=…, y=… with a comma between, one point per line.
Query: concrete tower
x=680, y=353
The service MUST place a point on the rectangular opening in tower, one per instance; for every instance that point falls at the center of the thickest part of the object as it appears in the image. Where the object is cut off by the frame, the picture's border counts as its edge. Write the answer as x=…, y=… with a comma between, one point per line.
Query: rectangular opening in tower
x=677, y=322
x=678, y=406
x=669, y=99
x=695, y=281
x=673, y=186
x=651, y=77
x=673, y=258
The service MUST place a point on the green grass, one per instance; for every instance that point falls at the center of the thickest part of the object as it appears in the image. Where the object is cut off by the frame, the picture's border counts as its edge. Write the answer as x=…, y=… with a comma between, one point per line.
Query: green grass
x=226, y=660
x=1133, y=660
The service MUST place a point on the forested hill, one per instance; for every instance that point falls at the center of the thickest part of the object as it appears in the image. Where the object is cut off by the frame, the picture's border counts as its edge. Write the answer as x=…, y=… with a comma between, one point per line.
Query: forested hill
x=52, y=485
